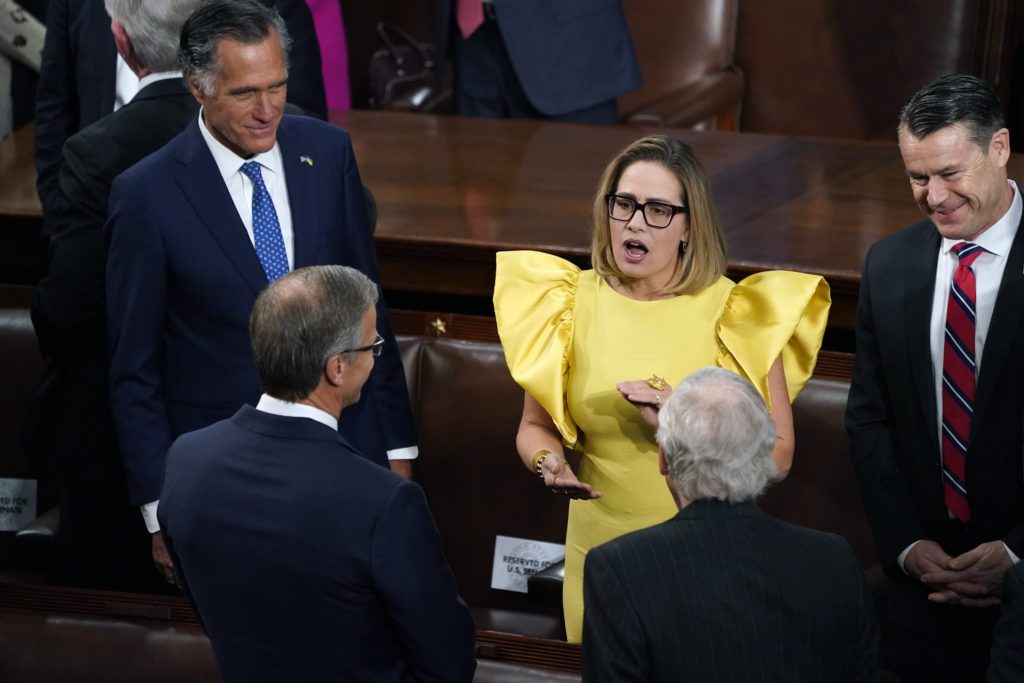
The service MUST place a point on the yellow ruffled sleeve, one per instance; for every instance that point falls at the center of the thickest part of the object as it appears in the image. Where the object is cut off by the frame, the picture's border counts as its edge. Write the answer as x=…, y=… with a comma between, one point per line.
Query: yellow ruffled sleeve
x=770, y=314
x=534, y=297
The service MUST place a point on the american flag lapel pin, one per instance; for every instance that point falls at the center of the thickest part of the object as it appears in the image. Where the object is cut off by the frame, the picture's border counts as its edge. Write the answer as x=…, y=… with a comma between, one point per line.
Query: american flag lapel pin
x=306, y=160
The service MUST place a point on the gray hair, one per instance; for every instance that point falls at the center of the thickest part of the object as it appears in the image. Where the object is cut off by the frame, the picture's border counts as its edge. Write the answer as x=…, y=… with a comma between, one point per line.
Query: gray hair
x=952, y=99
x=717, y=438
x=304, y=318
x=154, y=27
x=245, y=21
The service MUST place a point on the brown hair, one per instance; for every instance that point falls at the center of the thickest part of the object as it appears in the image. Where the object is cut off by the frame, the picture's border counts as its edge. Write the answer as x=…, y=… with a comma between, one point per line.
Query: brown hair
x=703, y=261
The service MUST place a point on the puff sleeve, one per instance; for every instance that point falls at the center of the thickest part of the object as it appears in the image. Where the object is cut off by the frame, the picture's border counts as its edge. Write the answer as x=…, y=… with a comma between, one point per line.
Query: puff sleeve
x=534, y=297
x=771, y=314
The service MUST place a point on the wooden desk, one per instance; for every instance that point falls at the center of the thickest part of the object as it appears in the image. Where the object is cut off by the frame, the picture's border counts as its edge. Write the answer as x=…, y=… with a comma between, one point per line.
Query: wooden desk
x=451, y=192
x=454, y=191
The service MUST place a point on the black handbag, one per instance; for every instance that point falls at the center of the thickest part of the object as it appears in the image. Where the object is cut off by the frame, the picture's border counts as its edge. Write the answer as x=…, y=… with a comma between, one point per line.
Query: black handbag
x=403, y=74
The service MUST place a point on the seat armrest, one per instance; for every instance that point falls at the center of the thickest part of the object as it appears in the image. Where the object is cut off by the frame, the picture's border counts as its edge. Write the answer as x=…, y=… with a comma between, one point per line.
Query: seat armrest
x=545, y=587
x=35, y=546
x=715, y=98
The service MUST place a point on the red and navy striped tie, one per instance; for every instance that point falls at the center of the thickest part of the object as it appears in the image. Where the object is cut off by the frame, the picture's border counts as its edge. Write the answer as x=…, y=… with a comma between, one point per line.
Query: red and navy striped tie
x=958, y=377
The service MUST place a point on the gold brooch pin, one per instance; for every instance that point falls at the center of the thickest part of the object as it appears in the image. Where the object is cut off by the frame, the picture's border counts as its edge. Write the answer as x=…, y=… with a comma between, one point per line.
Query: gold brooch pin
x=305, y=160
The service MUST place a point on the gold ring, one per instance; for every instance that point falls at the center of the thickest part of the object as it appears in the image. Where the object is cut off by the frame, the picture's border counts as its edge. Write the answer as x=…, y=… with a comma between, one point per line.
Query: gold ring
x=657, y=383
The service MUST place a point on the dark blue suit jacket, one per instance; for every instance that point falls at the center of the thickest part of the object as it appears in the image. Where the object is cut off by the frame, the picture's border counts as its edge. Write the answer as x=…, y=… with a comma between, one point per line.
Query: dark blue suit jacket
x=305, y=562
x=726, y=593
x=182, y=277
x=568, y=54
x=77, y=78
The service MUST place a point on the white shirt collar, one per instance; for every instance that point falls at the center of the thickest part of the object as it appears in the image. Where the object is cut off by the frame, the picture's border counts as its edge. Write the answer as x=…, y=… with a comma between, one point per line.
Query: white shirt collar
x=275, y=406
x=229, y=163
x=999, y=238
x=158, y=76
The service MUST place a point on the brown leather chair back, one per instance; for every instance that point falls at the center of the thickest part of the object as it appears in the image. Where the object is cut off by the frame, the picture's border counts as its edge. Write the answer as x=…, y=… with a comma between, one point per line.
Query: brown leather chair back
x=844, y=69
x=821, y=489
x=468, y=411
x=679, y=45
x=20, y=368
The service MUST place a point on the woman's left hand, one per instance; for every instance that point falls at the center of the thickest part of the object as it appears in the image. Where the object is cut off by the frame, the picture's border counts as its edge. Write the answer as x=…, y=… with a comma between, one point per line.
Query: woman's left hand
x=647, y=399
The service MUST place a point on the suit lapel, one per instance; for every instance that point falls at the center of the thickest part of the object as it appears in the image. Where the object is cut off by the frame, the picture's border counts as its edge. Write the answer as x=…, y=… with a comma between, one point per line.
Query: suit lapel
x=919, y=292
x=205, y=190
x=300, y=174
x=1006, y=319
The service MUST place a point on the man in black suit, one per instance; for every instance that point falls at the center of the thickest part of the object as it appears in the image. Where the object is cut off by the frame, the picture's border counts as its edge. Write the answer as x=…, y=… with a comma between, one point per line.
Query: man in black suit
x=304, y=560
x=102, y=541
x=81, y=79
x=935, y=407
x=723, y=592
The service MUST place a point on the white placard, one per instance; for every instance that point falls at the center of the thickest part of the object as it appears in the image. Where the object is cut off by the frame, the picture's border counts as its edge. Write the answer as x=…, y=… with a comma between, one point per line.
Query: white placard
x=17, y=503
x=516, y=559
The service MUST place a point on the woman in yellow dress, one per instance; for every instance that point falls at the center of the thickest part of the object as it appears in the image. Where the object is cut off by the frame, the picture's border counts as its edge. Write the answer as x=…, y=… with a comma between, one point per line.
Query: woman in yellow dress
x=657, y=306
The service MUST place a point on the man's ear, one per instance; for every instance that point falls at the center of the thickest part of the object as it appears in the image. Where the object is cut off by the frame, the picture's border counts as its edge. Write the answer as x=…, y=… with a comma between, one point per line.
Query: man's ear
x=124, y=46
x=197, y=92
x=334, y=370
x=999, y=146
x=662, y=463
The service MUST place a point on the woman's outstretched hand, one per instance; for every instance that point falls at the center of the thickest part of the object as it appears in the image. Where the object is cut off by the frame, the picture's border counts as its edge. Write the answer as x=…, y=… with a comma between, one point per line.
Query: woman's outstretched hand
x=647, y=399
x=560, y=478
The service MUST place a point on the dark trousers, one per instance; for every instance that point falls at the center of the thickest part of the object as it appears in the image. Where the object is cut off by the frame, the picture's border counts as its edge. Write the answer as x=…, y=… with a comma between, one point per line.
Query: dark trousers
x=486, y=84
x=103, y=542
x=960, y=657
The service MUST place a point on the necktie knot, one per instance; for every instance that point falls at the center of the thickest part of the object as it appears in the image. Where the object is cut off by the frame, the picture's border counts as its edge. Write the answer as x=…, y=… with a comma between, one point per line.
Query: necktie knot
x=252, y=170
x=967, y=252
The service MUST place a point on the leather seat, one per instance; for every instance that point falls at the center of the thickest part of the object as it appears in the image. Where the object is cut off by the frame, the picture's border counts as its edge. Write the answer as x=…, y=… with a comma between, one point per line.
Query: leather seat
x=685, y=50
x=844, y=69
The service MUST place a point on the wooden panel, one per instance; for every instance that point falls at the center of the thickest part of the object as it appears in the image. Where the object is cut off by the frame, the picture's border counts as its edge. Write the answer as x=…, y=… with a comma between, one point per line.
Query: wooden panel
x=452, y=192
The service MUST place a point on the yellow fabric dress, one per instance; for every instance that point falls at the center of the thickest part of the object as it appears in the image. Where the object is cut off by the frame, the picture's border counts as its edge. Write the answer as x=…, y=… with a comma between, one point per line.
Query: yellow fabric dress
x=569, y=338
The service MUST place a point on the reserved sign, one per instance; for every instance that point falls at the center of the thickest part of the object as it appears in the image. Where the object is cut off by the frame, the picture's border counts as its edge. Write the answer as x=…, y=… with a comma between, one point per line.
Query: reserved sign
x=17, y=503
x=517, y=559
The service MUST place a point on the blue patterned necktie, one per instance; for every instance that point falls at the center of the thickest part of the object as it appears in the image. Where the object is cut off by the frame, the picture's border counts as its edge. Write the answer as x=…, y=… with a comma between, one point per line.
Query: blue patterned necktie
x=266, y=230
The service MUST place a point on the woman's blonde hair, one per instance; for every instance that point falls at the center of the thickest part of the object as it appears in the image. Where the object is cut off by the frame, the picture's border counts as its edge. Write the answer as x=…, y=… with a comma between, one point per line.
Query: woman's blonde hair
x=703, y=260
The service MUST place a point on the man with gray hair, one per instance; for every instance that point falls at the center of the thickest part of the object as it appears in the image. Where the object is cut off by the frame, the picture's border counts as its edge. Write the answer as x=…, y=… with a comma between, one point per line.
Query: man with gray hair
x=102, y=543
x=723, y=592
x=303, y=560
x=242, y=196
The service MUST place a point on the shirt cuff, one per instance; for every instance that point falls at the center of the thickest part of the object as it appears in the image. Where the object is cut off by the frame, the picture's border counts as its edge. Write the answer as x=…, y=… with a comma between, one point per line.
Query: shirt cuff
x=149, y=516
x=903, y=556
x=1013, y=555
x=408, y=453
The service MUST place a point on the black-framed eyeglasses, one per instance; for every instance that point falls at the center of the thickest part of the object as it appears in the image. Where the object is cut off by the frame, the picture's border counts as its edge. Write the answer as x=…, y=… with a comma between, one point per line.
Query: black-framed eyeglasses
x=656, y=214
x=375, y=348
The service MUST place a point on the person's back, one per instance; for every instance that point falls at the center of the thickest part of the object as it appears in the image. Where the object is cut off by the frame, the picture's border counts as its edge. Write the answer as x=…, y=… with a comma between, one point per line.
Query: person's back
x=723, y=592
x=272, y=529
x=303, y=560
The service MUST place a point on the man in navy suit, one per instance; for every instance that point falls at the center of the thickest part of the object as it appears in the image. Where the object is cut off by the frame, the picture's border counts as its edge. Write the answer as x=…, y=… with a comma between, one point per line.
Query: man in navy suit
x=566, y=60
x=723, y=592
x=82, y=80
x=303, y=560
x=197, y=230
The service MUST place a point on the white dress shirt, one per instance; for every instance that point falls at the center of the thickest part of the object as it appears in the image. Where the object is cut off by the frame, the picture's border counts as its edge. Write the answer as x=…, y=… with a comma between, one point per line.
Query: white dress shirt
x=241, y=188
x=126, y=84
x=988, y=273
